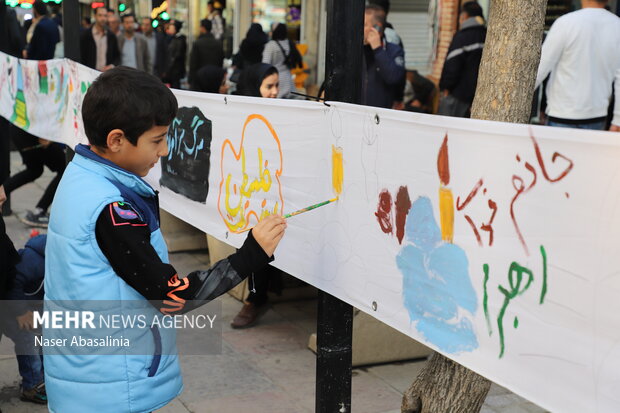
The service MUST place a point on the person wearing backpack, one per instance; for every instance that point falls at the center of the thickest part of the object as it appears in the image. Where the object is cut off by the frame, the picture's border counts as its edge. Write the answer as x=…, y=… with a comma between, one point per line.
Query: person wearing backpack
x=281, y=52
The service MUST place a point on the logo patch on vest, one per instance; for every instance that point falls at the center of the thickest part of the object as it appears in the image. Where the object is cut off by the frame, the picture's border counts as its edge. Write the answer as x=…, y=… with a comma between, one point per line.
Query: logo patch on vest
x=122, y=213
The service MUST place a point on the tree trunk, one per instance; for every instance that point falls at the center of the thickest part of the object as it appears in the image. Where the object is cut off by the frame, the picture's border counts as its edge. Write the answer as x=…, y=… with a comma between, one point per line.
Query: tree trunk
x=504, y=93
x=509, y=61
x=445, y=386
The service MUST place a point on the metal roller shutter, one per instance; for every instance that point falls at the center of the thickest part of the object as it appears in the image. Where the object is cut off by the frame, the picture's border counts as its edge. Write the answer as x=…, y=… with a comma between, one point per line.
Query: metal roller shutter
x=413, y=28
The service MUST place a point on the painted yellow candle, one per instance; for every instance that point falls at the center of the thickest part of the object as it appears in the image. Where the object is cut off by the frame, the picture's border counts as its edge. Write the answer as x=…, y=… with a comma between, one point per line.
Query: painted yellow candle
x=446, y=200
x=337, y=169
x=446, y=214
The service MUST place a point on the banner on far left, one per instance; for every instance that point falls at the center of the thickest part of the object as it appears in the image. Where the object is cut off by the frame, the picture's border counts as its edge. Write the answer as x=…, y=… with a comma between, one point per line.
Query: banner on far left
x=45, y=97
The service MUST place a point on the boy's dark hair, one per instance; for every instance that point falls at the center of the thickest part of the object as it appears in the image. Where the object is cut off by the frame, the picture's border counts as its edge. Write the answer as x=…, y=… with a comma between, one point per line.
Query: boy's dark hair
x=472, y=9
x=126, y=99
x=206, y=23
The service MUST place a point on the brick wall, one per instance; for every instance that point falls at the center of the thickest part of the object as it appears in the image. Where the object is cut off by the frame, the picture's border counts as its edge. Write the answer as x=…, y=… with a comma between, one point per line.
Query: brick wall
x=447, y=27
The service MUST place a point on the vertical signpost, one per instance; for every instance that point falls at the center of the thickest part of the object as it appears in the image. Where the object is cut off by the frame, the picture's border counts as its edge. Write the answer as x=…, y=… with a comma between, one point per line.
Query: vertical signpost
x=343, y=74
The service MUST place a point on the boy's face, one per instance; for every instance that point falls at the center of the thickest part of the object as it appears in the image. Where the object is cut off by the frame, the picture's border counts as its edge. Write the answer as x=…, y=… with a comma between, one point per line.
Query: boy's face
x=139, y=159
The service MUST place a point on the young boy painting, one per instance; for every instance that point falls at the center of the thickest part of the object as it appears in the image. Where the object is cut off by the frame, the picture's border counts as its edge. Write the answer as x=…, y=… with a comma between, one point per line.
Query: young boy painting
x=104, y=243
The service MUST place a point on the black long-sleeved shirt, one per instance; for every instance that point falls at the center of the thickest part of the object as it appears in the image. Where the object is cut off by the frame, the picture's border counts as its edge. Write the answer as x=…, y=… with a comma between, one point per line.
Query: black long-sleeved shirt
x=125, y=240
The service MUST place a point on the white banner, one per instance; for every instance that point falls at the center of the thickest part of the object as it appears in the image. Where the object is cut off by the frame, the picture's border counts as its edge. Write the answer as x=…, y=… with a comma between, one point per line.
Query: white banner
x=492, y=243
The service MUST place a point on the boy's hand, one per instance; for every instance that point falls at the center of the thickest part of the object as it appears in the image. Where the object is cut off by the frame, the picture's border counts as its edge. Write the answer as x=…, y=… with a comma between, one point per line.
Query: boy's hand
x=268, y=232
x=25, y=321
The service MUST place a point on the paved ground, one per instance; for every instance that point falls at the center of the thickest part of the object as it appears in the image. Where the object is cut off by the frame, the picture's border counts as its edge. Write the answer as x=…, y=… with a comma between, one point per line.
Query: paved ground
x=264, y=369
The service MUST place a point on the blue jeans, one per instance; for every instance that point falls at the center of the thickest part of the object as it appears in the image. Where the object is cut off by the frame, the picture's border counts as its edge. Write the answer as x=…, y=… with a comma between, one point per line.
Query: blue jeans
x=29, y=360
x=600, y=125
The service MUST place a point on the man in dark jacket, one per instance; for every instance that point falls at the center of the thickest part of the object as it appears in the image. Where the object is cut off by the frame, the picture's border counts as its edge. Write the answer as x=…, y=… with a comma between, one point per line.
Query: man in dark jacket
x=384, y=62
x=205, y=51
x=98, y=46
x=460, y=71
x=177, y=50
x=45, y=35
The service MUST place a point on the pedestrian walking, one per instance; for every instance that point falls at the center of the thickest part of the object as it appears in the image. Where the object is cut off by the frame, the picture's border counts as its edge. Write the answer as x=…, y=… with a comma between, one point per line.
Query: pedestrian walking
x=177, y=50
x=459, y=76
x=206, y=50
x=581, y=56
x=98, y=46
x=133, y=46
x=282, y=53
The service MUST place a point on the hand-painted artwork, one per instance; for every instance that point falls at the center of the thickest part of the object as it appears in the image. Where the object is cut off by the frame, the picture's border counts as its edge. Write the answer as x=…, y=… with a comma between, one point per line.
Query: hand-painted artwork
x=20, y=111
x=186, y=168
x=520, y=189
x=516, y=286
x=337, y=169
x=45, y=97
x=250, y=186
x=437, y=289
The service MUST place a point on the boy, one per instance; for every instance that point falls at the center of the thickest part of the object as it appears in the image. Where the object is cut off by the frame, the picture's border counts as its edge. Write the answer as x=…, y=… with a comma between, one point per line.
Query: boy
x=104, y=243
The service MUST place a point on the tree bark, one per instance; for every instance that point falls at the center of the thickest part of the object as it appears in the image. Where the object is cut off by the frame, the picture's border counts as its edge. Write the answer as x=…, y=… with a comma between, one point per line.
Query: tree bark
x=504, y=93
x=445, y=386
x=510, y=60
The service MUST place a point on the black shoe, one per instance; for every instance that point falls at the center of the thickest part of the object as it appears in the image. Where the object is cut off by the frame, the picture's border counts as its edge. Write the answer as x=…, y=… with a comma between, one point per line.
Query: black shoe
x=33, y=219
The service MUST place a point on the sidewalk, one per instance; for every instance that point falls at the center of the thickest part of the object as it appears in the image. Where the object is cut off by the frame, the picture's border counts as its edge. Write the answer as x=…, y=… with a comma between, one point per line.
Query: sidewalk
x=267, y=368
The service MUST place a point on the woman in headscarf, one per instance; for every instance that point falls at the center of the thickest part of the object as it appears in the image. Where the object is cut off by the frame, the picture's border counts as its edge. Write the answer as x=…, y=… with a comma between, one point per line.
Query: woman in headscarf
x=251, y=48
x=211, y=79
x=281, y=52
x=259, y=80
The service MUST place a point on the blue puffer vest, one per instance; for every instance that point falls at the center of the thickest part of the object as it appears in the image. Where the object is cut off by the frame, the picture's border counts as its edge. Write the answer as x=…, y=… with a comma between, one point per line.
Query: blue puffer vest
x=76, y=269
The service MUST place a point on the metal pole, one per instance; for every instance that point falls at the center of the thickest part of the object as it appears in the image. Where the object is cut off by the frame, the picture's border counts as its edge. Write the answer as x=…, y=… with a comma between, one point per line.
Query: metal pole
x=343, y=74
x=71, y=33
x=5, y=155
x=71, y=29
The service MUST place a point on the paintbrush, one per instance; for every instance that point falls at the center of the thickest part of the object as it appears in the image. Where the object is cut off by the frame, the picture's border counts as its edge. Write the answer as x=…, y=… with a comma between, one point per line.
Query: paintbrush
x=301, y=211
x=310, y=208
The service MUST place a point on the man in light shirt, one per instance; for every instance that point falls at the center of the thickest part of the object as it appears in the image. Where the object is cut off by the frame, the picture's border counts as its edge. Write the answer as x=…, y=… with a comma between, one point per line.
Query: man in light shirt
x=582, y=54
x=133, y=46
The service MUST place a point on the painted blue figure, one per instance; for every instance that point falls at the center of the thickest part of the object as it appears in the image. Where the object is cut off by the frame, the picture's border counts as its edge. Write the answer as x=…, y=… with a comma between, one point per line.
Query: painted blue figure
x=436, y=284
